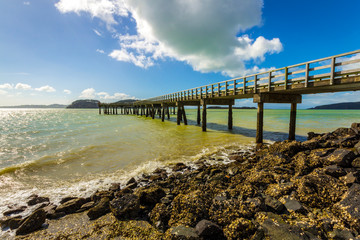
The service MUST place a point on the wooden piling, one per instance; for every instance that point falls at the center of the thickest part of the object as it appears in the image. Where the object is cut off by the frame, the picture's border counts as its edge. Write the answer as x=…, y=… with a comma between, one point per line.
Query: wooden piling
x=230, y=117
x=178, y=119
x=183, y=114
x=203, y=116
x=292, y=124
x=198, y=115
x=163, y=114
x=260, y=123
x=153, y=112
x=168, y=112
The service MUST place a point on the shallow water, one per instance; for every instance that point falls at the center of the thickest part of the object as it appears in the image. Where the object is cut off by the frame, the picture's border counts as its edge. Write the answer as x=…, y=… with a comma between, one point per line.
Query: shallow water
x=62, y=152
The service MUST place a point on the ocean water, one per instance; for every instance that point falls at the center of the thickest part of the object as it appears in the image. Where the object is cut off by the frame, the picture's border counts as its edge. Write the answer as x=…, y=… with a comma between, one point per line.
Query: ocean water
x=61, y=152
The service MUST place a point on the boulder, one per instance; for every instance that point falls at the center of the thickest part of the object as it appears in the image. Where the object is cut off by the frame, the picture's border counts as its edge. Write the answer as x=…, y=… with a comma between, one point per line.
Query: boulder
x=35, y=199
x=179, y=167
x=356, y=162
x=70, y=206
x=100, y=209
x=241, y=228
x=66, y=199
x=182, y=233
x=131, y=180
x=159, y=216
x=209, y=230
x=14, y=211
x=98, y=195
x=348, y=207
x=32, y=223
x=11, y=222
x=334, y=171
x=319, y=190
x=274, y=205
x=292, y=204
x=341, y=157
x=126, y=206
x=151, y=196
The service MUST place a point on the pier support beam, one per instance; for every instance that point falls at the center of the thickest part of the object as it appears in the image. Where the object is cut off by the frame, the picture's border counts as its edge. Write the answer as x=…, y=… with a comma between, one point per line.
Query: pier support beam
x=230, y=117
x=292, y=124
x=260, y=123
x=262, y=98
x=168, y=112
x=178, y=119
x=198, y=115
x=163, y=114
x=184, y=114
x=203, y=124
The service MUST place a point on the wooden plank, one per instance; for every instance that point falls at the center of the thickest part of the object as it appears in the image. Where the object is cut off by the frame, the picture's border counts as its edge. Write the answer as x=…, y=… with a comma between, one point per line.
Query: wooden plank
x=319, y=68
x=198, y=115
x=234, y=92
x=296, y=72
x=347, y=62
x=269, y=86
x=184, y=114
x=255, y=84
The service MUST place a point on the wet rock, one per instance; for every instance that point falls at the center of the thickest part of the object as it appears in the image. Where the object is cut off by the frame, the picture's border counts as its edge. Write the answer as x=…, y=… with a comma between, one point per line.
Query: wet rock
x=70, y=206
x=66, y=199
x=334, y=171
x=32, y=223
x=179, y=167
x=98, y=195
x=209, y=230
x=159, y=216
x=36, y=199
x=340, y=157
x=279, y=189
x=100, y=209
x=132, y=185
x=274, y=205
x=151, y=196
x=288, y=148
x=275, y=228
x=50, y=211
x=319, y=190
x=348, y=207
x=356, y=162
x=350, y=178
x=126, y=206
x=239, y=229
x=341, y=234
x=88, y=205
x=188, y=209
x=292, y=204
x=312, y=135
x=11, y=222
x=305, y=163
x=310, y=144
x=114, y=187
x=131, y=181
x=14, y=211
x=182, y=233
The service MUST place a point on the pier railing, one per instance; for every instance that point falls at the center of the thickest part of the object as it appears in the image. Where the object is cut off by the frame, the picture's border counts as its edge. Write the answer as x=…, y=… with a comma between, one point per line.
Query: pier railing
x=291, y=77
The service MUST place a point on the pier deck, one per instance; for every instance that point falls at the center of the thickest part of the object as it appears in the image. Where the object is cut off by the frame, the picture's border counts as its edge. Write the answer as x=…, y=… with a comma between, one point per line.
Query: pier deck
x=284, y=85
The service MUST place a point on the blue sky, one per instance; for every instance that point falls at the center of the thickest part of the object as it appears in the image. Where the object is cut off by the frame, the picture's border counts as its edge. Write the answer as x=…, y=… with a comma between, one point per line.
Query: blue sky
x=58, y=51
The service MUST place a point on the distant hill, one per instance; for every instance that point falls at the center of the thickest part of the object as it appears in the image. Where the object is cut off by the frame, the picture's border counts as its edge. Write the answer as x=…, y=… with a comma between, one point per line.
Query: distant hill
x=36, y=106
x=127, y=101
x=87, y=103
x=345, y=105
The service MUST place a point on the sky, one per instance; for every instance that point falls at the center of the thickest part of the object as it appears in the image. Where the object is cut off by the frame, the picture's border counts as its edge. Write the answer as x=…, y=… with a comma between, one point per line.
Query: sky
x=58, y=51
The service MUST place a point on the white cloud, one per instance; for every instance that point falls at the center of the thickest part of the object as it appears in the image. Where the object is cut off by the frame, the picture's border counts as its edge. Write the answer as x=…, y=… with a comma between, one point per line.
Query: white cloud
x=100, y=51
x=91, y=93
x=103, y=9
x=97, y=32
x=6, y=86
x=88, y=93
x=46, y=88
x=208, y=35
x=67, y=91
x=117, y=96
x=3, y=92
x=27, y=3
x=23, y=86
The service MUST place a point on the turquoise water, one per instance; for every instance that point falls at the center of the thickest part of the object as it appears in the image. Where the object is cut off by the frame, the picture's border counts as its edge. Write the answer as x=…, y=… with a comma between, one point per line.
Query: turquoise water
x=61, y=152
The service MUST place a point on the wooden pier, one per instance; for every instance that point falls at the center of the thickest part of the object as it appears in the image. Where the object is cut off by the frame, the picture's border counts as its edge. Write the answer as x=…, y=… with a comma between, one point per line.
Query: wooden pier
x=284, y=85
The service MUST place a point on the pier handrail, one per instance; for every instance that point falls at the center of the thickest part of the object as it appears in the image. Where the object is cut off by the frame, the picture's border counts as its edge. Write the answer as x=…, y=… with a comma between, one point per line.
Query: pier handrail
x=328, y=68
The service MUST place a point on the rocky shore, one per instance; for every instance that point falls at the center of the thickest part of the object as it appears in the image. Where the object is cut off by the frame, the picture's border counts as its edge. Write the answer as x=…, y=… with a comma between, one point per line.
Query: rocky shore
x=286, y=190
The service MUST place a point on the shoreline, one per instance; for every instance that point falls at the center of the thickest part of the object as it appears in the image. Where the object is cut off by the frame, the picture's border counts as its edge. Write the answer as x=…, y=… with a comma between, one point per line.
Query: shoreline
x=305, y=190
